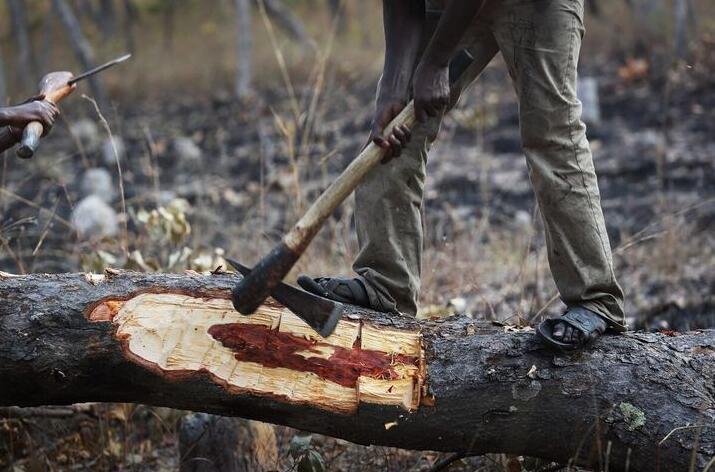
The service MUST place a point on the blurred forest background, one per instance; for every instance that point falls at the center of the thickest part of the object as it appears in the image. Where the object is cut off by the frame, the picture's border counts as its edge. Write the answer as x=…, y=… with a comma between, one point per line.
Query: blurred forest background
x=233, y=115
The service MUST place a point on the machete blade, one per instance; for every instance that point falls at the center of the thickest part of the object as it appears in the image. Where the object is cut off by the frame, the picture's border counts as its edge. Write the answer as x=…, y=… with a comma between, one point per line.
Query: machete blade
x=319, y=313
x=98, y=69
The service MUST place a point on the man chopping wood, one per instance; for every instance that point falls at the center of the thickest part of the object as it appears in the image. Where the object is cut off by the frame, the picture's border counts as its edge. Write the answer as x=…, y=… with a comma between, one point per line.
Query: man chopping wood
x=540, y=42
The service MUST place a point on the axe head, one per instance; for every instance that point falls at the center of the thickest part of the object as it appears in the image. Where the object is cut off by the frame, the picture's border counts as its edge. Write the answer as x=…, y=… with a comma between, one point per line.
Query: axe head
x=321, y=314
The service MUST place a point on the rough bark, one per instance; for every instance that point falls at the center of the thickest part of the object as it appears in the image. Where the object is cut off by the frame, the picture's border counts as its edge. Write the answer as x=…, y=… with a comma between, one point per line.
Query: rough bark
x=639, y=401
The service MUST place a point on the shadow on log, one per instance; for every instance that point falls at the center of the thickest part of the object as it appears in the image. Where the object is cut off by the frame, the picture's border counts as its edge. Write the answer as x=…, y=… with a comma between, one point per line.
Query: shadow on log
x=639, y=402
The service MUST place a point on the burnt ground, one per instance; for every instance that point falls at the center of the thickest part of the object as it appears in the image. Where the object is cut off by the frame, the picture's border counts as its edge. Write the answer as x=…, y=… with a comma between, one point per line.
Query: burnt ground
x=654, y=151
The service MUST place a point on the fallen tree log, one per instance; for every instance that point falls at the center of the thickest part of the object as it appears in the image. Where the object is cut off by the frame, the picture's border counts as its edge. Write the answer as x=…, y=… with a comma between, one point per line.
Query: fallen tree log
x=639, y=402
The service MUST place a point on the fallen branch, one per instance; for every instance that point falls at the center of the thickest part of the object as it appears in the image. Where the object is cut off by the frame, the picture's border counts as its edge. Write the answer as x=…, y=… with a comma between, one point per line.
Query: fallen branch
x=456, y=385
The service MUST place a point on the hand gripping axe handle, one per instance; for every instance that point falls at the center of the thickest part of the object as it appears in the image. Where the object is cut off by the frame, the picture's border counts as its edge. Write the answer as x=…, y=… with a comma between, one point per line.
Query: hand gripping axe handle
x=253, y=289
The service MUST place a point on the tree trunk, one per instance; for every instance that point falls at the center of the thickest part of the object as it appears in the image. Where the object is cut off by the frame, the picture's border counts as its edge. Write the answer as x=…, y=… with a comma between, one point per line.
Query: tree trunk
x=81, y=46
x=169, y=13
x=684, y=28
x=107, y=20
x=47, y=37
x=3, y=83
x=211, y=443
x=25, y=57
x=286, y=20
x=131, y=18
x=638, y=402
x=244, y=46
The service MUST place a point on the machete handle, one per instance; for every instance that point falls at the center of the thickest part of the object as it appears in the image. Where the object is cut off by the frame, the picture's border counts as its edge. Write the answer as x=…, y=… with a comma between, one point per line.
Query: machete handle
x=254, y=288
x=55, y=88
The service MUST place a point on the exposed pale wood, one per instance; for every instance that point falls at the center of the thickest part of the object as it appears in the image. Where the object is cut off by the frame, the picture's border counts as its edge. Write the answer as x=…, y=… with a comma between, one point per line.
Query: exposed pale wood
x=171, y=332
x=645, y=399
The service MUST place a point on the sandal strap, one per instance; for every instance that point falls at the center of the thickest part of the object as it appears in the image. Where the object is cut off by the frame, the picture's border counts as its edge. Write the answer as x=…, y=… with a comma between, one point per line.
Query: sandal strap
x=586, y=321
x=354, y=286
x=327, y=287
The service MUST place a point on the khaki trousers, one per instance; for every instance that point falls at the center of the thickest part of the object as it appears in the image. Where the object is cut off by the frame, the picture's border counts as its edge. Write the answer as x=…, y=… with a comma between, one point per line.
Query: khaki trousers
x=540, y=41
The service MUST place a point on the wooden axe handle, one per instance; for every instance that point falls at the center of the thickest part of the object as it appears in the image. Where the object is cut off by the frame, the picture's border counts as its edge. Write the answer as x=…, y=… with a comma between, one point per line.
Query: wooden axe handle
x=254, y=288
x=55, y=88
x=298, y=238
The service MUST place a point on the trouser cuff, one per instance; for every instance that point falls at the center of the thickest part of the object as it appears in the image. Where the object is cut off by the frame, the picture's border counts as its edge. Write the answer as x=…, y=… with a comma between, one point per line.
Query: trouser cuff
x=615, y=323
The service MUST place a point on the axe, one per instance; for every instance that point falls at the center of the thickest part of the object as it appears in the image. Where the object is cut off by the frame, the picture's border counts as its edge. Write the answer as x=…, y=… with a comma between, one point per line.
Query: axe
x=55, y=86
x=253, y=289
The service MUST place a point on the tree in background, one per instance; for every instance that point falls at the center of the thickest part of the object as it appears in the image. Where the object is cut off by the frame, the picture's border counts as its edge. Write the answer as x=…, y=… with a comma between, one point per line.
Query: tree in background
x=25, y=57
x=244, y=44
x=80, y=45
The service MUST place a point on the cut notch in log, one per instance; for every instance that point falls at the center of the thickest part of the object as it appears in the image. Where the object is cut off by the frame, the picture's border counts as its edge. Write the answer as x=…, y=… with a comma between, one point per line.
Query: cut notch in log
x=271, y=352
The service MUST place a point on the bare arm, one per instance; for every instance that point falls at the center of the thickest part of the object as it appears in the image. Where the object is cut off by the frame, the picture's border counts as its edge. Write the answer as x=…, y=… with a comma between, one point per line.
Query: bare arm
x=431, y=81
x=404, y=23
x=14, y=119
x=8, y=137
x=33, y=110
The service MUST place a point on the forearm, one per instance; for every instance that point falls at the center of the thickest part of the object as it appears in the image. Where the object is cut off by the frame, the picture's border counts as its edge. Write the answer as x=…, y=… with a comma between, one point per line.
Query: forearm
x=404, y=22
x=8, y=138
x=6, y=118
x=457, y=17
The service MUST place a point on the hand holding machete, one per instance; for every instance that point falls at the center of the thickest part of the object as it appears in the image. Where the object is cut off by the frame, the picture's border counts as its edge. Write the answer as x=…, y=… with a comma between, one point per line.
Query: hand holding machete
x=54, y=87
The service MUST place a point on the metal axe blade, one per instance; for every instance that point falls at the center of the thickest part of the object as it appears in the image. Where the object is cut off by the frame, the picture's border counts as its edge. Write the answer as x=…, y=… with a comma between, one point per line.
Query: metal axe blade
x=321, y=314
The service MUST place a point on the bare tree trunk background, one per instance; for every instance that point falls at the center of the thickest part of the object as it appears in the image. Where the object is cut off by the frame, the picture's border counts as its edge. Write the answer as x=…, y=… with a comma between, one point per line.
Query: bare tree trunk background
x=685, y=28
x=244, y=46
x=168, y=32
x=3, y=83
x=131, y=18
x=81, y=47
x=107, y=19
x=286, y=20
x=47, y=34
x=25, y=56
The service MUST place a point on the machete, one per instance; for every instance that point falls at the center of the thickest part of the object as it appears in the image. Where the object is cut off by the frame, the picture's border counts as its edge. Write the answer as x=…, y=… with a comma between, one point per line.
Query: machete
x=55, y=86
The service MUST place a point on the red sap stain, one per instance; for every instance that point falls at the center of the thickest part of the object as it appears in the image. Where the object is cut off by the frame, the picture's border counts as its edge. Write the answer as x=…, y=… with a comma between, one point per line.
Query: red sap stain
x=271, y=348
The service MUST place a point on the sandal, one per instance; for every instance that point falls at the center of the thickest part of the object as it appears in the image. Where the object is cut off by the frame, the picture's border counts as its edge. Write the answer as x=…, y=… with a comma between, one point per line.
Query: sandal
x=590, y=324
x=340, y=289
